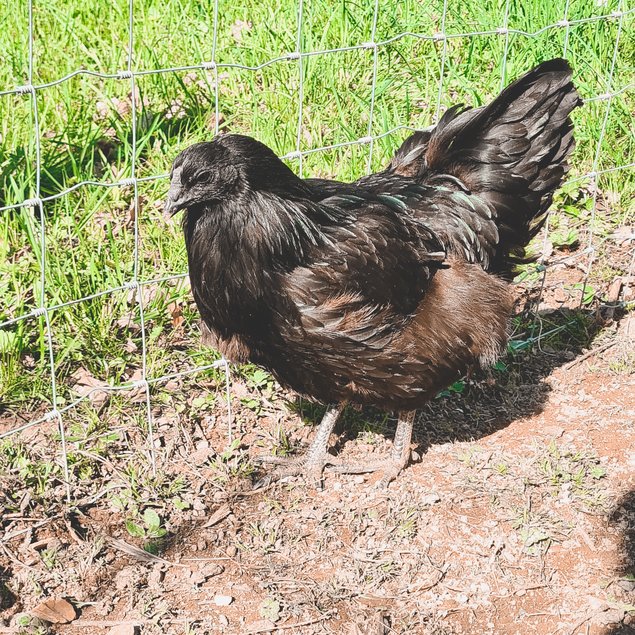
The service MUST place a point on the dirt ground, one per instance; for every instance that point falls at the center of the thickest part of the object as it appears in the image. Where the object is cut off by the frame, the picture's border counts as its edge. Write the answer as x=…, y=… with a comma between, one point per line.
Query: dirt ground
x=517, y=518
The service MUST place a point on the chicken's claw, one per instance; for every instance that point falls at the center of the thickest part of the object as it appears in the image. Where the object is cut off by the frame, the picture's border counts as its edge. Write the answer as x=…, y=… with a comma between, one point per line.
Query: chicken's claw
x=310, y=467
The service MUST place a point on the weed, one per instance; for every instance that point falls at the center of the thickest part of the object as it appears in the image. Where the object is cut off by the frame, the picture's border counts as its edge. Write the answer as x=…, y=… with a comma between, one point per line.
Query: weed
x=147, y=527
x=233, y=462
x=573, y=474
x=407, y=522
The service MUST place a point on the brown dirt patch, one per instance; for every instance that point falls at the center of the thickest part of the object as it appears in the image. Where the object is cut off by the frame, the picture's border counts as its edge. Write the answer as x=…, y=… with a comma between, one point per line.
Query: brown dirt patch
x=520, y=517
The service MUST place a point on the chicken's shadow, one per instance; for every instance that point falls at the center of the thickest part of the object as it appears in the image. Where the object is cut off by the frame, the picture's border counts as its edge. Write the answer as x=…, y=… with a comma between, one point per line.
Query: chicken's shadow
x=623, y=518
x=490, y=400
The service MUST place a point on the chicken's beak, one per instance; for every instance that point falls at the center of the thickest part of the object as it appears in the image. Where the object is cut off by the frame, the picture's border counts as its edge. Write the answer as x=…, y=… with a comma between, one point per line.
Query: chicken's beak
x=174, y=202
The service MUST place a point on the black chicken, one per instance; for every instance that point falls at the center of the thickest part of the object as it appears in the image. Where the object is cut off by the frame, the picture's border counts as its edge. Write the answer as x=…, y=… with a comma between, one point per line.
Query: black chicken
x=386, y=290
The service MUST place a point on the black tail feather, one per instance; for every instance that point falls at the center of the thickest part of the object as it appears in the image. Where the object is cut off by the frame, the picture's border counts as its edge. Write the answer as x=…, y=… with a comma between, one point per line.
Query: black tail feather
x=511, y=153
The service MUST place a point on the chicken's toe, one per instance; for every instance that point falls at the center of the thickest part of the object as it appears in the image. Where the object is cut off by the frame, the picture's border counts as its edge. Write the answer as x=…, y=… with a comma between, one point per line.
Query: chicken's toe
x=389, y=468
x=309, y=466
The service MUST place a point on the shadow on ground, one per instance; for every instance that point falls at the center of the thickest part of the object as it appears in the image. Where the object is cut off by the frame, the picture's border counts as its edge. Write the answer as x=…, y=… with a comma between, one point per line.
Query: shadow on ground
x=623, y=517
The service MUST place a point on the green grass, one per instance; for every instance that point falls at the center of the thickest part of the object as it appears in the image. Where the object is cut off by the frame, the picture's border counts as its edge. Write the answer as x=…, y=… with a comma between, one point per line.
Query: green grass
x=85, y=127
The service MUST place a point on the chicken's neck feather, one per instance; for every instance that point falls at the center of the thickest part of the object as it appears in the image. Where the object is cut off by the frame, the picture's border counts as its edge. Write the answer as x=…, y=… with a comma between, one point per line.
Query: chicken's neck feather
x=237, y=246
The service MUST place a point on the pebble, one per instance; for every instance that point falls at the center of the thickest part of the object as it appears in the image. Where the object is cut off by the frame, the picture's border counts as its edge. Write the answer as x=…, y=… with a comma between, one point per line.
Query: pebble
x=430, y=499
x=223, y=600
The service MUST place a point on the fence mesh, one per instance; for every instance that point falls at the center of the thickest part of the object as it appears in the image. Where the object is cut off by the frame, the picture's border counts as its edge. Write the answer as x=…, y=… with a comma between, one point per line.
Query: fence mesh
x=37, y=204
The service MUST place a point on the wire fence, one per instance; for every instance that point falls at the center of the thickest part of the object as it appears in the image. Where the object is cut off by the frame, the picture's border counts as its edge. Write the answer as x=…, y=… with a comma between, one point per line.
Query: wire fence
x=57, y=412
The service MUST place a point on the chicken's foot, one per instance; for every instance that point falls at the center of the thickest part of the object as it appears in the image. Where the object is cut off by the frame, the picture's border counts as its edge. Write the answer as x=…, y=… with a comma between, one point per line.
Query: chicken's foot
x=311, y=465
x=399, y=457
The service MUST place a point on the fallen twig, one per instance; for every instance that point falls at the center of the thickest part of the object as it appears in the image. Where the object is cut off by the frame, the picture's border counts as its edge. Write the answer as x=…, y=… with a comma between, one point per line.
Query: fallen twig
x=279, y=627
x=593, y=351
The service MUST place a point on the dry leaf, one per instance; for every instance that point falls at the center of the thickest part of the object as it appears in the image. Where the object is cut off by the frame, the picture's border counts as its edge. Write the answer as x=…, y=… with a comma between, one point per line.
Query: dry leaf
x=135, y=552
x=134, y=210
x=623, y=234
x=222, y=512
x=176, y=314
x=102, y=109
x=88, y=386
x=213, y=123
x=55, y=611
x=238, y=27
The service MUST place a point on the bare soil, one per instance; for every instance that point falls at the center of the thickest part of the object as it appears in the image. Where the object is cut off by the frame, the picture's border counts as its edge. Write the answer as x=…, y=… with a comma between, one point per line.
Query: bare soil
x=518, y=517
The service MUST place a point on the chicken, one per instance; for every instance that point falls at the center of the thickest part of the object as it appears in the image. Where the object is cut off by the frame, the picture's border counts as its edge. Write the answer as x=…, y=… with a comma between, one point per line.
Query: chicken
x=386, y=290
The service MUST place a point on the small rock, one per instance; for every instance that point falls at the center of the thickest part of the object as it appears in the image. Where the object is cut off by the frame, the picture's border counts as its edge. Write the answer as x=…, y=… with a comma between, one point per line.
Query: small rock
x=223, y=620
x=198, y=505
x=196, y=577
x=232, y=550
x=611, y=616
x=431, y=498
x=223, y=600
x=627, y=585
x=201, y=455
x=155, y=577
x=596, y=604
x=125, y=578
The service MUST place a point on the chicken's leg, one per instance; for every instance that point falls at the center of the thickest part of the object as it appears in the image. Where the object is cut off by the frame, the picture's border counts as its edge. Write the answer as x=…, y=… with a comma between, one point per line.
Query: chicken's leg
x=312, y=464
x=399, y=456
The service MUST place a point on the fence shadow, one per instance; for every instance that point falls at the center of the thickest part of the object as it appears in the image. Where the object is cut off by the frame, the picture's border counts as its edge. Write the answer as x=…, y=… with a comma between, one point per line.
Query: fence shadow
x=85, y=151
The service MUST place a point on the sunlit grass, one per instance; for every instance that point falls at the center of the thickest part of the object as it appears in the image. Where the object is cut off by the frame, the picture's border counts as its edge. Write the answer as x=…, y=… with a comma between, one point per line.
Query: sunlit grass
x=85, y=133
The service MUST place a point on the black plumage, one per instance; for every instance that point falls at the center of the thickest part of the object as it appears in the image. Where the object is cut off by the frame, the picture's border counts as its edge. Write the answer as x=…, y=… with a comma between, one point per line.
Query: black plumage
x=382, y=291
x=506, y=158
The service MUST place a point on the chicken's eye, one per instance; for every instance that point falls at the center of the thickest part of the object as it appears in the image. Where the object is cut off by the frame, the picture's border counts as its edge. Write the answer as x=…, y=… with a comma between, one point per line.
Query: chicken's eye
x=202, y=176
